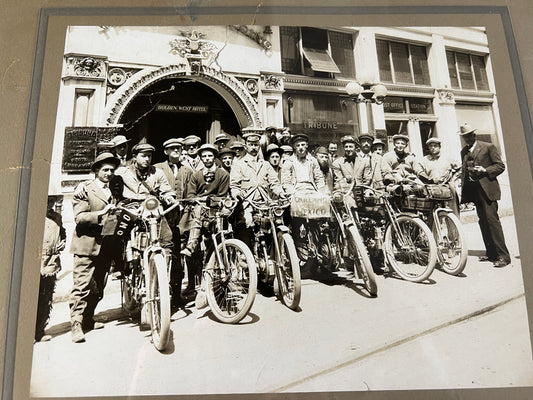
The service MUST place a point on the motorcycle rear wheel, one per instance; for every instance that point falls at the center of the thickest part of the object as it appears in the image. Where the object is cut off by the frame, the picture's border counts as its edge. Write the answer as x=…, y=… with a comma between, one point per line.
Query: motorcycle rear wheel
x=288, y=272
x=159, y=301
x=231, y=288
x=411, y=251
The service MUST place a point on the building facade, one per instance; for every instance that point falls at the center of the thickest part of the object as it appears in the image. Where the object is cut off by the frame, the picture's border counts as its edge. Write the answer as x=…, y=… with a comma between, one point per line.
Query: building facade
x=153, y=83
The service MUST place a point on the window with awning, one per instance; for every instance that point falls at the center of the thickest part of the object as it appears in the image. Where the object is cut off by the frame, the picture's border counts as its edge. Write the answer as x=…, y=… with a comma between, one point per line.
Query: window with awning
x=320, y=61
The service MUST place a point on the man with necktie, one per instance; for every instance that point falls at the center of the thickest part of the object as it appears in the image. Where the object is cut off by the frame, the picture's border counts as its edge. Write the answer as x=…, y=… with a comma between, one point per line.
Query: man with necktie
x=368, y=165
x=177, y=176
x=344, y=167
x=193, y=161
x=482, y=163
x=93, y=253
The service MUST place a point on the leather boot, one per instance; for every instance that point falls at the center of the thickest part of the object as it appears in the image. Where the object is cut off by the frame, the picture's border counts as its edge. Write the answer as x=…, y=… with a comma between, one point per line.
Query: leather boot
x=77, y=332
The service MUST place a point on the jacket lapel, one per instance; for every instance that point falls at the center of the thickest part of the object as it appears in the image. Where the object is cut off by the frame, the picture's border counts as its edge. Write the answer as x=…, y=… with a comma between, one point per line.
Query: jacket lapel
x=98, y=192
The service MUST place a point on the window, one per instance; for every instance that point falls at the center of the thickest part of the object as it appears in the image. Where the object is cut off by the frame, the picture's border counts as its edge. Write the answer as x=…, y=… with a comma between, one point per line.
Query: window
x=402, y=63
x=467, y=71
x=317, y=52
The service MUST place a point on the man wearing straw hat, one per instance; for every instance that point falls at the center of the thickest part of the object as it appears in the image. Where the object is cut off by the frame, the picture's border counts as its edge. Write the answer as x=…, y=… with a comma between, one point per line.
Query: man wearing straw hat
x=120, y=149
x=482, y=163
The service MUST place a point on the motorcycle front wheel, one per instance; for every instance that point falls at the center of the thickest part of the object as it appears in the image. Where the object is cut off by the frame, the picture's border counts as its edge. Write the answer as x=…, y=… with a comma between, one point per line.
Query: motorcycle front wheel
x=231, y=288
x=363, y=263
x=410, y=250
x=159, y=301
x=288, y=272
x=453, y=250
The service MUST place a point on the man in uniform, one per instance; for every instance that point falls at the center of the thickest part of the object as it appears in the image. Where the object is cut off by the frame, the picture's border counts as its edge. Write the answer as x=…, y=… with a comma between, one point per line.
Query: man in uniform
x=120, y=149
x=191, y=143
x=435, y=168
x=177, y=176
x=92, y=253
x=482, y=163
x=398, y=164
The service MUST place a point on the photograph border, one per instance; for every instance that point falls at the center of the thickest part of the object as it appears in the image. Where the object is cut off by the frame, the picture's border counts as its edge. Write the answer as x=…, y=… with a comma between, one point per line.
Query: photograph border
x=193, y=13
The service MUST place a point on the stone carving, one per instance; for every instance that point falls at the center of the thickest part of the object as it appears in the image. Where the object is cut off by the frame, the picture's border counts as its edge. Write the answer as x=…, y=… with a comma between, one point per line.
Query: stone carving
x=273, y=82
x=251, y=86
x=254, y=35
x=446, y=96
x=194, y=49
x=77, y=66
x=116, y=76
x=120, y=99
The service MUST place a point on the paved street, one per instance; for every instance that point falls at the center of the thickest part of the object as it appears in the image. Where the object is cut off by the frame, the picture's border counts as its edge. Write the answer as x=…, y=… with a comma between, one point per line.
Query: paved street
x=451, y=332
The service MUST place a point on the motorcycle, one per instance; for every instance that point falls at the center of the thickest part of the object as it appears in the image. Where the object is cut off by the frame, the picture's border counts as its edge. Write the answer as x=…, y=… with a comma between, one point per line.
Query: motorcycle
x=273, y=247
x=396, y=239
x=144, y=280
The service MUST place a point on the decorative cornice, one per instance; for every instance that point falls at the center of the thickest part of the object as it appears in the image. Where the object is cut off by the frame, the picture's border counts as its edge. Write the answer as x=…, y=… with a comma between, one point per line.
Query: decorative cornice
x=272, y=81
x=77, y=66
x=118, y=101
x=445, y=96
x=257, y=37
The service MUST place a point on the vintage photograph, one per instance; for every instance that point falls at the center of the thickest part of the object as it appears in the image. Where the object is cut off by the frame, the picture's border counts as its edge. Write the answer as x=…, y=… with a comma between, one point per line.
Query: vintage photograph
x=278, y=209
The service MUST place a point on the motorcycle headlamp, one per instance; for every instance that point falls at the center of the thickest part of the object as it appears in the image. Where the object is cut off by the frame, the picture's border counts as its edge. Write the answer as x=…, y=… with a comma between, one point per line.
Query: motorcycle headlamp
x=151, y=203
x=228, y=203
x=278, y=211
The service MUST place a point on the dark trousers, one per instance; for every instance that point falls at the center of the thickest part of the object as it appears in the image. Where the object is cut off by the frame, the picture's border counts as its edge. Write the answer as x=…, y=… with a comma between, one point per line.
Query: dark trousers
x=89, y=274
x=44, y=305
x=489, y=221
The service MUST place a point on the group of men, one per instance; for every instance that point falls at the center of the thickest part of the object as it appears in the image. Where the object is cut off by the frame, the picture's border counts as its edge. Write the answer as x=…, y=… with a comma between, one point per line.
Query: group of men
x=194, y=170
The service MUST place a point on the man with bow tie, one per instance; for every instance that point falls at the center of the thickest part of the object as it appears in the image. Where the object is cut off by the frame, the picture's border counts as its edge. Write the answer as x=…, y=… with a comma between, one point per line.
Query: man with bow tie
x=177, y=175
x=92, y=253
x=482, y=163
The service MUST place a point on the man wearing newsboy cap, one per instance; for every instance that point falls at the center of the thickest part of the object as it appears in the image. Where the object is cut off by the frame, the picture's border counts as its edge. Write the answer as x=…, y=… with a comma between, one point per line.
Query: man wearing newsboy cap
x=482, y=163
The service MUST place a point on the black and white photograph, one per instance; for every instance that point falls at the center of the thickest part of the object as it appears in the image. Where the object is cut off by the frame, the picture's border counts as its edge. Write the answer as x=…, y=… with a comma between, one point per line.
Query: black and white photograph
x=278, y=209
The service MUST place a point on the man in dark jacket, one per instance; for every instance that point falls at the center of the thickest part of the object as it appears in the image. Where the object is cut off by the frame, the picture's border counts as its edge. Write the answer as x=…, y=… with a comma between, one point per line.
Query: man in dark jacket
x=92, y=254
x=177, y=176
x=482, y=163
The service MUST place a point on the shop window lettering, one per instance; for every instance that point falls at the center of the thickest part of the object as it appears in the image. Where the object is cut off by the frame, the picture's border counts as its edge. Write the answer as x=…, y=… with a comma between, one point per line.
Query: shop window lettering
x=321, y=124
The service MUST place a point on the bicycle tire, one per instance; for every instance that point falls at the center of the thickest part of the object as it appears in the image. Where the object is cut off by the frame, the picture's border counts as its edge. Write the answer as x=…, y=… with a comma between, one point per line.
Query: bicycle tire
x=363, y=263
x=231, y=289
x=159, y=300
x=452, y=248
x=416, y=260
x=288, y=272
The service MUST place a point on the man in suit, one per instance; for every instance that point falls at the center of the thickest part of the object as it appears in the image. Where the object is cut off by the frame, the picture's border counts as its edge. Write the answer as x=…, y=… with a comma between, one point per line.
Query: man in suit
x=92, y=253
x=177, y=176
x=344, y=168
x=482, y=163
x=368, y=168
x=193, y=161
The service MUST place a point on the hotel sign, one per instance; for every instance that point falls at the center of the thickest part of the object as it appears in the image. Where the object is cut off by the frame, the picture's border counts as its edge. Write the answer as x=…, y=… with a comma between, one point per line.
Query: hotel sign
x=181, y=109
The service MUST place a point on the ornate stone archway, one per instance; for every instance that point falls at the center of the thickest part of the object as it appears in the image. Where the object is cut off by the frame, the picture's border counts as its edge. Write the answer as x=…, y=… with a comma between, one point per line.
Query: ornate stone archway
x=239, y=99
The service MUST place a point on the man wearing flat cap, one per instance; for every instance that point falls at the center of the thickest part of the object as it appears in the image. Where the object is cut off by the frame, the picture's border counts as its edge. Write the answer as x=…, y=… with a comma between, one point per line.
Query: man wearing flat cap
x=226, y=157
x=191, y=144
x=249, y=172
x=482, y=163
x=368, y=165
x=435, y=168
x=378, y=147
x=398, y=164
x=120, y=149
x=344, y=167
x=177, y=176
x=93, y=253
x=273, y=156
x=221, y=141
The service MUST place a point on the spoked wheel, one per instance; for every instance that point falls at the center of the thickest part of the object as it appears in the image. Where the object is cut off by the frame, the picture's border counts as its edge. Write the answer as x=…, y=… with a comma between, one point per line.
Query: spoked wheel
x=159, y=301
x=453, y=250
x=411, y=250
x=362, y=262
x=288, y=272
x=231, y=288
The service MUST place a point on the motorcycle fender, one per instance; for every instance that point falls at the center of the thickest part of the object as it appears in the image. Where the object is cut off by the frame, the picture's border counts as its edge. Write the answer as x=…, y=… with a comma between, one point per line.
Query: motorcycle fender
x=146, y=256
x=283, y=228
x=408, y=214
